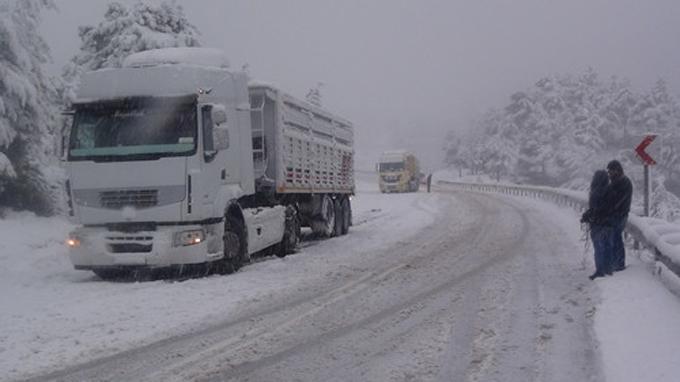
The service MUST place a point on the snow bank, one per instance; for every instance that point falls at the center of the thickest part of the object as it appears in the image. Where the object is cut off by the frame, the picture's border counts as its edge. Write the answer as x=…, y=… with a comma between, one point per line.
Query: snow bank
x=31, y=248
x=637, y=326
x=663, y=239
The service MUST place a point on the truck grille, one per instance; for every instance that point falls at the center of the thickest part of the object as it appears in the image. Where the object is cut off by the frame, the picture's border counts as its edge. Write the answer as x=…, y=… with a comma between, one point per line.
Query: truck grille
x=128, y=198
x=130, y=248
x=129, y=244
x=391, y=178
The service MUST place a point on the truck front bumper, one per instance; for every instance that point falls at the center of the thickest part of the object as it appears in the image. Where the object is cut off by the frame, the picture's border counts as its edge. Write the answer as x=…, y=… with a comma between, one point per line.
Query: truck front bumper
x=97, y=247
x=393, y=187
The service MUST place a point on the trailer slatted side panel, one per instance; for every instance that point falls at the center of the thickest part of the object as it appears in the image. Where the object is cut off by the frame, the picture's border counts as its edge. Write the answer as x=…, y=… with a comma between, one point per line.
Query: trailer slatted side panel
x=313, y=149
x=316, y=150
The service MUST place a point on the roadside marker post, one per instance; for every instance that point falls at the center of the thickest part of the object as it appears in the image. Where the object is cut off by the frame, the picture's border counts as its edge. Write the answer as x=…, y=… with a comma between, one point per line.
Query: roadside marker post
x=647, y=162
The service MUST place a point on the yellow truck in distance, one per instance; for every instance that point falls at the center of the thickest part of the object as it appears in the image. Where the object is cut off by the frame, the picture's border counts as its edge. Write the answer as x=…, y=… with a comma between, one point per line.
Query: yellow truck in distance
x=398, y=172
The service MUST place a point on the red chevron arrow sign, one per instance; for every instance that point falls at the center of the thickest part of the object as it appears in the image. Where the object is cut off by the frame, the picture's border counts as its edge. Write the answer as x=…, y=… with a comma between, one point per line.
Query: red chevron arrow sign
x=642, y=154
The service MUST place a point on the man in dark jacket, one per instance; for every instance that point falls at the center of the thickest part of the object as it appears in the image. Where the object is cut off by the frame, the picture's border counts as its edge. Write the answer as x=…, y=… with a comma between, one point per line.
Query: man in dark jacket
x=620, y=196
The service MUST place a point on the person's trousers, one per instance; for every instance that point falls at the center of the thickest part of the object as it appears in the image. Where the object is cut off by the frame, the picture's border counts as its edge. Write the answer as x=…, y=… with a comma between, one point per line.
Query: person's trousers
x=602, y=242
x=618, y=251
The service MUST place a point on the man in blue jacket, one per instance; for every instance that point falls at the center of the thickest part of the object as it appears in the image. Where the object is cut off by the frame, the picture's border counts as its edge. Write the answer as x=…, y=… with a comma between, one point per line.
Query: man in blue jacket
x=621, y=194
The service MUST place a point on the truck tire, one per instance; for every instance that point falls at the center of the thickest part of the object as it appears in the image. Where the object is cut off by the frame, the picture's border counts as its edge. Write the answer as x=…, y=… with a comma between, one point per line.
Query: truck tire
x=339, y=216
x=346, y=215
x=234, y=243
x=324, y=225
x=291, y=234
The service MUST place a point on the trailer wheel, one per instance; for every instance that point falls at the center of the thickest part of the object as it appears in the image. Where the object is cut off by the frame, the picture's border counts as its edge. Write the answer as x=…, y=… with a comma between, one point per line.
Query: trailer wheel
x=324, y=225
x=291, y=234
x=346, y=215
x=233, y=242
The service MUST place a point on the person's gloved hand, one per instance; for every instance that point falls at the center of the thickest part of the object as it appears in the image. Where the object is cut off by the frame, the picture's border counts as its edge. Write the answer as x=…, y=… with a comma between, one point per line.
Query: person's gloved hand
x=585, y=218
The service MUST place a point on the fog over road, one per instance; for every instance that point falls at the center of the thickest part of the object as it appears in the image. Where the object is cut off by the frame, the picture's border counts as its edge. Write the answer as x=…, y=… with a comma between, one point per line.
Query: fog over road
x=489, y=290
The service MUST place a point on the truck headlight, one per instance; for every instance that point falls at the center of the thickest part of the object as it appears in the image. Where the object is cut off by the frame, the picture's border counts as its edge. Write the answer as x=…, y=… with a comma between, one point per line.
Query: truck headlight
x=73, y=242
x=191, y=237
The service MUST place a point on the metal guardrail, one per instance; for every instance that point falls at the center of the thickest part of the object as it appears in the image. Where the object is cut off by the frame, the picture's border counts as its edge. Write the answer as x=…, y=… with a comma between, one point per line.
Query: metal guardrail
x=577, y=200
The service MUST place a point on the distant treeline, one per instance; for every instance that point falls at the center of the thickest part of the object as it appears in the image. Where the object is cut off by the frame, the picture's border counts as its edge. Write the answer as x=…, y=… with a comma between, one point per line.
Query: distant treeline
x=560, y=130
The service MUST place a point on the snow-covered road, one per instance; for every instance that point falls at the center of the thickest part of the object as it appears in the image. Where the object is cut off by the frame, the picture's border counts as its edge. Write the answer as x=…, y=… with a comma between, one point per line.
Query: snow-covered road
x=476, y=296
x=427, y=287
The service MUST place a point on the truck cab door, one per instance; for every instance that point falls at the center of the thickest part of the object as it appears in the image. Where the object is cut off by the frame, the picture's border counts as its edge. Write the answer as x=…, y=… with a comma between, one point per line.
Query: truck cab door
x=215, y=144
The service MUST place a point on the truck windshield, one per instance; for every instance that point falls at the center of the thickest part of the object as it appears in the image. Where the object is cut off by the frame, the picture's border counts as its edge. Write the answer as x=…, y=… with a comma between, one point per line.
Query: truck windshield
x=393, y=166
x=124, y=131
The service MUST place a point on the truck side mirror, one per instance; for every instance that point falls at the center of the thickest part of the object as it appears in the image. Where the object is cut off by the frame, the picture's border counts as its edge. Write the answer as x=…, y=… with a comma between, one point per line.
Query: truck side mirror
x=215, y=132
x=220, y=137
x=219, y=115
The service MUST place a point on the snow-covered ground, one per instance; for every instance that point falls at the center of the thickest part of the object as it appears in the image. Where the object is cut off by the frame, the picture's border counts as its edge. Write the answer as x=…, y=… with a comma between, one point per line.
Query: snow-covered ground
x=636, y=319
x=53, y=316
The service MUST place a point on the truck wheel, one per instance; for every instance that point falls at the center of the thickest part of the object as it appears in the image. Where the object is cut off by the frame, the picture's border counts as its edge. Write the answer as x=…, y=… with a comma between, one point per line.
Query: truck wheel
x=324, y=225
x=346, y=215
x=339, y=217
x=291, y=234
x=234, y=246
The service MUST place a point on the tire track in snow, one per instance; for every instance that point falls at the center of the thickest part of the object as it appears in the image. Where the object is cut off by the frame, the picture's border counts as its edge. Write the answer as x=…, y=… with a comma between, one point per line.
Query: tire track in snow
x=241, y=370
x=138, y=363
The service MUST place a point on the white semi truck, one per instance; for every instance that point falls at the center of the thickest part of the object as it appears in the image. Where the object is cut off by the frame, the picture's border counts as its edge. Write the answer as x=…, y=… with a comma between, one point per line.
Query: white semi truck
x=176, y=160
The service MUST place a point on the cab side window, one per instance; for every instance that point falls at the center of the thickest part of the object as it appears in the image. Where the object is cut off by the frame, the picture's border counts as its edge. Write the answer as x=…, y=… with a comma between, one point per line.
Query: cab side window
x=206, y=116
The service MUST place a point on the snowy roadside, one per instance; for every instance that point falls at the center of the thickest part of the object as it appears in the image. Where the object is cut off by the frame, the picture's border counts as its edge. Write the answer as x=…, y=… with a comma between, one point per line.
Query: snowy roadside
x=635, y=320
x=55, y=316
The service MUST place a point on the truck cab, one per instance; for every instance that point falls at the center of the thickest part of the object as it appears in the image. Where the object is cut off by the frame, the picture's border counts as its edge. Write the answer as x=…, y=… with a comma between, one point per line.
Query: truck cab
x=398, y=171
x=159, y=154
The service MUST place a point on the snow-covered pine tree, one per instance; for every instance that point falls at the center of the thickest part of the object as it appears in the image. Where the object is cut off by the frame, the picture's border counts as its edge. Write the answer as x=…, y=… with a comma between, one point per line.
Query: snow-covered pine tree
x=663, y=118
x=659, y=112
x=616, y=112
x=28, y=118
x=664, y=204
x=561, y=129
x=125, y=31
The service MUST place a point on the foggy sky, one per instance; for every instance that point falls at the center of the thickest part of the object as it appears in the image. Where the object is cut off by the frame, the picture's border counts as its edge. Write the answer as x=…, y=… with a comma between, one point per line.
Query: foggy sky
x=405, y=72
